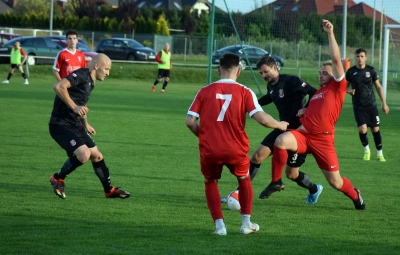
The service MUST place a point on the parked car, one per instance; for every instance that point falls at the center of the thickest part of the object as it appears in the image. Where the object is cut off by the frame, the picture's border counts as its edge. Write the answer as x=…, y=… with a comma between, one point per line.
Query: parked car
x=5, y=37
x=89, y=54
x=125, y=49
x=34, y=47
x=63, y=38
x=253, y=54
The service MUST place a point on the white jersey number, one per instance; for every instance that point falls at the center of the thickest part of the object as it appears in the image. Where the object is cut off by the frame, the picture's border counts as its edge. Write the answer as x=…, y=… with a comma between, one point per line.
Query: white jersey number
x=228, y=99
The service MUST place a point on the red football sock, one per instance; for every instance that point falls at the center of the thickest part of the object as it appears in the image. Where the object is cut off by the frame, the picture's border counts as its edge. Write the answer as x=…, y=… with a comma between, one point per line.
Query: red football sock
x=279, y=159
x=348, y=189
x=245, y=195
x=213, y=200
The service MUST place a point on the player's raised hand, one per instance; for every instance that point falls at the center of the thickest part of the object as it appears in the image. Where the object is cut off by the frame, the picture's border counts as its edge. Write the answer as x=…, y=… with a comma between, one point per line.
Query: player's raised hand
x=327, y=25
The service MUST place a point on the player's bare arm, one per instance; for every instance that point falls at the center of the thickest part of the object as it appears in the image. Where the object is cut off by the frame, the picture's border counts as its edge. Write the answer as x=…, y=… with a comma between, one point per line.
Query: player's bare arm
x=349, y=90
x=191, y=123
x=268, y=121
x=337, y=66
x=301, y=112
x=61, y=89
x=379, y=89
x=88, y=127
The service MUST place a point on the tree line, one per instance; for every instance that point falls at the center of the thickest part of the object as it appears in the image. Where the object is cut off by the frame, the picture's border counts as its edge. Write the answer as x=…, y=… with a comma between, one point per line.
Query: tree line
x=259, y=25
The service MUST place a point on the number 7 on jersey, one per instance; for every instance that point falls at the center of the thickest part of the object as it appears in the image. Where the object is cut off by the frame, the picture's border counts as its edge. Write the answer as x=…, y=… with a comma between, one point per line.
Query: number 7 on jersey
x=228, y=99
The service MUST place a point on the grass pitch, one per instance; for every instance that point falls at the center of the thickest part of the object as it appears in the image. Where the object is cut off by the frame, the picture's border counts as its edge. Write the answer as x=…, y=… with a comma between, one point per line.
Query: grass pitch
x=152, y=154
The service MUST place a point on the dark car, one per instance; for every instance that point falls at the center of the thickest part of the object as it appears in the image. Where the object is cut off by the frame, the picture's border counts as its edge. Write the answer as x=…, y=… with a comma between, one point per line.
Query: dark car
x=253, y=55
x=5, y=37
x=63, y=38
x=34, y=47
x=89, y=54
x=125, y=49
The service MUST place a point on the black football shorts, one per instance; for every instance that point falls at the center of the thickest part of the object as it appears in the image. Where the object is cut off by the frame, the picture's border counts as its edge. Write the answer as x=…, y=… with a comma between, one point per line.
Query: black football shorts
x=367, y=115
x=294, y=160
x=71, y=138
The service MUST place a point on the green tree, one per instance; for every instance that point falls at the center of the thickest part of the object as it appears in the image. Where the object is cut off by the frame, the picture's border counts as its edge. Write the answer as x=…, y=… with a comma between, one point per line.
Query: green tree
x=39, y=7
x=162, y=26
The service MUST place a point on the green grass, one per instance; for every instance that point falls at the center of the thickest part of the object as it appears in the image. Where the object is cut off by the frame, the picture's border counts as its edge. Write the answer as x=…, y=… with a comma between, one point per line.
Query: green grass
x=152, y=154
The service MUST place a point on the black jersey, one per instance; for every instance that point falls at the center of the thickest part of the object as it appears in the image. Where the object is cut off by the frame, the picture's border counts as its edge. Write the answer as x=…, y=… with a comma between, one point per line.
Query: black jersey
x=82, y=85
x=362, y=80
x=288, y=95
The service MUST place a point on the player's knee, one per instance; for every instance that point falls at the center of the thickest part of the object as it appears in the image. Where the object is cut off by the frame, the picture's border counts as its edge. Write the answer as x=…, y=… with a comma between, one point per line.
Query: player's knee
x=291, y=173
x=159, y=79
x=96, y=157
x=167, y=79
x=82, y=154
x=336, y=184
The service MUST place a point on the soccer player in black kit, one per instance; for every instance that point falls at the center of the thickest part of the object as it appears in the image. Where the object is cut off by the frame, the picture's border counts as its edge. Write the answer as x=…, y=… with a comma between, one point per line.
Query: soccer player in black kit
x=362, y=77
x=288, y=93
x=68, y=126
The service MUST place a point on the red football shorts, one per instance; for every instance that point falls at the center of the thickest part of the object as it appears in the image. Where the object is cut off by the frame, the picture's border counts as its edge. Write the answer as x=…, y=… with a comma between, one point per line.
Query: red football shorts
x=213, y=170
x=321, y=146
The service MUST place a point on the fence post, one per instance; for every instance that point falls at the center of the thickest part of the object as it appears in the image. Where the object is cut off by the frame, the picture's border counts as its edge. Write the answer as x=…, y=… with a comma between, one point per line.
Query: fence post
x=297, y=55
x=184, y=53
x=92, y=40
x=319, y=56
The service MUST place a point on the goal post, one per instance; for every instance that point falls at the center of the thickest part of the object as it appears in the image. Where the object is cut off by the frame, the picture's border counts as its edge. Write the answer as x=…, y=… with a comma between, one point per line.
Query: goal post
x=391, y=64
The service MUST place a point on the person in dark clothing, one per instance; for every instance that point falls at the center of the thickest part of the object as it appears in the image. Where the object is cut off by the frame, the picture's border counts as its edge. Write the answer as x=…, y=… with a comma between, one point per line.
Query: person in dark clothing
x=362, y=78
x=69, y=128
x=288, y=93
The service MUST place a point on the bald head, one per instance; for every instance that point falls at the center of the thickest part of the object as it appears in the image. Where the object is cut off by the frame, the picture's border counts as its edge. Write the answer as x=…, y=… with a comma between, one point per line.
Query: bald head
x=99, y=58
x=166, y=47
x=100, y=67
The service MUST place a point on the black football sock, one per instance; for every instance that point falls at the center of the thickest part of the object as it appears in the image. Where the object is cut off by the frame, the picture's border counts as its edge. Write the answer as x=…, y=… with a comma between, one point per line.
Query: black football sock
x=253, y=170
x=377, y=140
x=23, y=76
x=70, y=165
x=103, y=174
x=164, y=84
x=303, y=181
x=155, y=83
x=364, y=139
x=9, y=76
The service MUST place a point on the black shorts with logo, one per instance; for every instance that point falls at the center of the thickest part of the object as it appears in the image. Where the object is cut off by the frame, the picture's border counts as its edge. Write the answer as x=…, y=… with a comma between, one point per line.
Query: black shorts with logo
x=367, y=115
x=163, y=73
x=71, y=138
x=294, y=160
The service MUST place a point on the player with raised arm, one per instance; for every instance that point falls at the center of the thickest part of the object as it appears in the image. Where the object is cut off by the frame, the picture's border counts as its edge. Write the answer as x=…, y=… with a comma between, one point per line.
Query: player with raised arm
x=316, y=134
x=221, y=108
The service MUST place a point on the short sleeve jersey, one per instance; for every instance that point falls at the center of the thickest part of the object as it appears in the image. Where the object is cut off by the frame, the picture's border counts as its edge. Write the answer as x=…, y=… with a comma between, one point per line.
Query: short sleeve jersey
x=82, y=85
x=66, y=62
x=222, y=108
x=288, y=95
x=362, y=80
x=325, y=107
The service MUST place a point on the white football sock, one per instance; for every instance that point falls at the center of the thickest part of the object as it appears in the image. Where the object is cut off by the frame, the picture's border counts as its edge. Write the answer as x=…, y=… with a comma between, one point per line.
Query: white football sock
x=246, y=219
x=219, y=223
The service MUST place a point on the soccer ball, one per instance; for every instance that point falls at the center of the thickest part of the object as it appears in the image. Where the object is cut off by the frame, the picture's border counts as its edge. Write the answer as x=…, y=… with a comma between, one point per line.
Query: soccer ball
x=232, y=200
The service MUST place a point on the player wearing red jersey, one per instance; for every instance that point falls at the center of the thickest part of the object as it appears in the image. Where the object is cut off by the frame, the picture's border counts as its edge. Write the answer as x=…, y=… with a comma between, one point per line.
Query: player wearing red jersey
x=70, y=58
x=315, y=135
x=222, y=107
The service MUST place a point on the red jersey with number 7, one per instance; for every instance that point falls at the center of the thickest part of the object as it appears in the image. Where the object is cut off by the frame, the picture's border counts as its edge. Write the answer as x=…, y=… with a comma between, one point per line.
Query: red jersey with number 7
x=222, y=107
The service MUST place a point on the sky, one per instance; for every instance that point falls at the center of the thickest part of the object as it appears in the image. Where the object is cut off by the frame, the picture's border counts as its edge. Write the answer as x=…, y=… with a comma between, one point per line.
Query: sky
x=391, y=7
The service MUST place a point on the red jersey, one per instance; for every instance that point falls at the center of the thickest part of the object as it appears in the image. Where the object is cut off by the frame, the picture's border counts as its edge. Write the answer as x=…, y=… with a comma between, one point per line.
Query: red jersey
x=325, y=107
x=222, y=107
x=66, y=62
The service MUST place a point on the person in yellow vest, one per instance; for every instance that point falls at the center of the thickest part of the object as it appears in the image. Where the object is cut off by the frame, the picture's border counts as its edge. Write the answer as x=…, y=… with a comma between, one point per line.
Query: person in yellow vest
x=16, y=54
x=164, y=65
